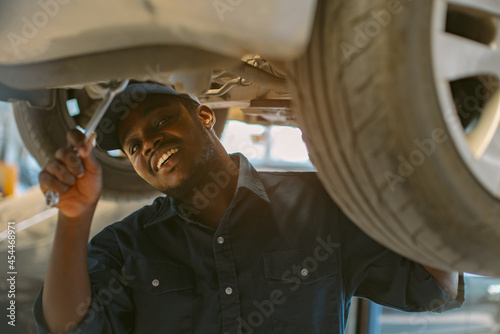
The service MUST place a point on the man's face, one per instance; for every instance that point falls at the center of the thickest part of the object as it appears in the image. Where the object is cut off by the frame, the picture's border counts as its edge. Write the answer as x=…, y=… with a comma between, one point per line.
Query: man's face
x=168, y=147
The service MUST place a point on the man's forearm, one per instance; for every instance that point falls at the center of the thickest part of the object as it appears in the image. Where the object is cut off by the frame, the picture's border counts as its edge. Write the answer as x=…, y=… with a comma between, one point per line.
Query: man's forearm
x=67, y=293
x=448, y=280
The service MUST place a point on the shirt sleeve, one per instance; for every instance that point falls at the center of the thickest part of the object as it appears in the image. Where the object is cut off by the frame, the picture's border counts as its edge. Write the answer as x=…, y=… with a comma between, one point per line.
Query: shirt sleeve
x=111, y=310
x=374, y=272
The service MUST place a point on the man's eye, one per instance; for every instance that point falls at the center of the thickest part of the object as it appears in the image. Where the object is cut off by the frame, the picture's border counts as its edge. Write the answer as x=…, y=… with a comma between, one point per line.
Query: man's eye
x=162, y=121
x=134, y=148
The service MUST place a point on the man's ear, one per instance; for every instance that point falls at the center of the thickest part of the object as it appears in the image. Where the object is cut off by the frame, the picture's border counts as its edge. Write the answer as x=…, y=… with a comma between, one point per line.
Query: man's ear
x=206, y=116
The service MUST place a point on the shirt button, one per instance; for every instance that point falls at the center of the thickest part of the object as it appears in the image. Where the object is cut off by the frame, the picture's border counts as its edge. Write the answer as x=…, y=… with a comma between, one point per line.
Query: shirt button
x=220, y=240
x=229, y=291
x=155, y=282
x=304, y=272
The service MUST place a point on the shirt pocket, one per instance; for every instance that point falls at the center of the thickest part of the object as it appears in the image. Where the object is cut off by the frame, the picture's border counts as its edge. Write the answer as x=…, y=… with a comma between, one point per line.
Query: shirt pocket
x=307, y=284
x=163, y=295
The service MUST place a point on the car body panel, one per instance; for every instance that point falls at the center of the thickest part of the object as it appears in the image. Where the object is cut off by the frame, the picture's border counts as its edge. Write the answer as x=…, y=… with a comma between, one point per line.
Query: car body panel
x=38, y=31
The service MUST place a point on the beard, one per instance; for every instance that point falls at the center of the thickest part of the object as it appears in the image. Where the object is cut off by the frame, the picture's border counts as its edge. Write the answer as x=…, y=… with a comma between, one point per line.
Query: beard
x=197, y=176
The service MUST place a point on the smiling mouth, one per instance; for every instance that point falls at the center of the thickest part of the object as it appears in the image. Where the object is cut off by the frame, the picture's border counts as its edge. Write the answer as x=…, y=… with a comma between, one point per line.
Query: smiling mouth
x=165, y=157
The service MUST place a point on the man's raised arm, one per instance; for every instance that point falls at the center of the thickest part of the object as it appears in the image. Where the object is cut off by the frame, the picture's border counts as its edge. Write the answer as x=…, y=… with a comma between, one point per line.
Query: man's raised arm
x=78, y=179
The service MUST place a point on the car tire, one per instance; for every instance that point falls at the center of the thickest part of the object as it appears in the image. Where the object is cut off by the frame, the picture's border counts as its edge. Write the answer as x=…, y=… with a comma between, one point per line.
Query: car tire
x=386, y=146
x=44, y=131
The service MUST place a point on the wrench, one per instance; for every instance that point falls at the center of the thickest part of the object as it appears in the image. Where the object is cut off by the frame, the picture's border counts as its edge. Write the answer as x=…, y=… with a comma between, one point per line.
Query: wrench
x=52, y=197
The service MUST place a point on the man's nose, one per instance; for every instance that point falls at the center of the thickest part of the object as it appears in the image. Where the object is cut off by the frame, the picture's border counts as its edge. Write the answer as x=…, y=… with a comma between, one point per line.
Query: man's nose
x=149, y=144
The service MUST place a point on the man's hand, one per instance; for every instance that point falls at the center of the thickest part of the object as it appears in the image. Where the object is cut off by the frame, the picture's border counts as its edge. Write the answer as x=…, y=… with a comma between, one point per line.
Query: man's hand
x=76, y=177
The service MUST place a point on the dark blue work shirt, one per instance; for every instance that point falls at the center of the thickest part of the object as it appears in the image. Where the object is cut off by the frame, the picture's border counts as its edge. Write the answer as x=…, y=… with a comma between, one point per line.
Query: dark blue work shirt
x=284, y=259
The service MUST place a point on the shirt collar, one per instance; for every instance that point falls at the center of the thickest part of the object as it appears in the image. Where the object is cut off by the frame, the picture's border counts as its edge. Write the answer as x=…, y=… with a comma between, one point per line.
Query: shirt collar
x=166, y=210
x=248, y=178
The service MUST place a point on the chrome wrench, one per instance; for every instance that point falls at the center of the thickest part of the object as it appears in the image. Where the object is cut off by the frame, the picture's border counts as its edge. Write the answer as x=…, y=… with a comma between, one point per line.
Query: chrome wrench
x=52, y=197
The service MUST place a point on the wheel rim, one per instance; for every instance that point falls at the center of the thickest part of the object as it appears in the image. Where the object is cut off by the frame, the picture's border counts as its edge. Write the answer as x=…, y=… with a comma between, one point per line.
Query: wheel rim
x=466, y=60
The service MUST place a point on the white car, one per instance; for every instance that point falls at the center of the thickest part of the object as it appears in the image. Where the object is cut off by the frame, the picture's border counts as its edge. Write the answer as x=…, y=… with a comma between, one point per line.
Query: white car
x=398, y=100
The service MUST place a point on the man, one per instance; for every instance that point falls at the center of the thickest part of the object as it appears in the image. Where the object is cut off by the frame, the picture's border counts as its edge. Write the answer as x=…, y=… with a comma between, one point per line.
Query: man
x=228, y=250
